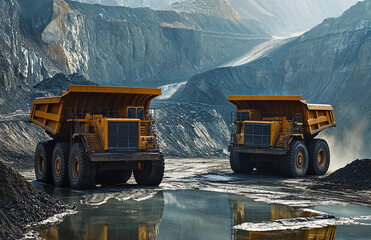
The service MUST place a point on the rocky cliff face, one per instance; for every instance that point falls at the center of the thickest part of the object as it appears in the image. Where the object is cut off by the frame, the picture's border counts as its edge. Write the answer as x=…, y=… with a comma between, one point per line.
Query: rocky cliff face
x=21, y=62
x=329, y=64
x=278, y=17
x=110, y=45
x=123, y=46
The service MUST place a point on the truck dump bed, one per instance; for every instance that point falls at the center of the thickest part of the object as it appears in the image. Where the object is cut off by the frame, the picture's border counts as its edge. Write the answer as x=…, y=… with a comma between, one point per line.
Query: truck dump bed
x=315, y=117
x=52, y=113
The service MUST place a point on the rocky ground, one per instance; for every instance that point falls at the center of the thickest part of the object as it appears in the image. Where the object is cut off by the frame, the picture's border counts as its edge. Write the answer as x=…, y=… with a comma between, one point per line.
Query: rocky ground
x=22, y=205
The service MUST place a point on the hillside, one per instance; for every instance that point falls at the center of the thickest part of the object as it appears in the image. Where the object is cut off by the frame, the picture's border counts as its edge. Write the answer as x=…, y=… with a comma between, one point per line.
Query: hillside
x=329, y=64
x=144, y=47
x=111, y=45
x=283, y=18
x=278, y=17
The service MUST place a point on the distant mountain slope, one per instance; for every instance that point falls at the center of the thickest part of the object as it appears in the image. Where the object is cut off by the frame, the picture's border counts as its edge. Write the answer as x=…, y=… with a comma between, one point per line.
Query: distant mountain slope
x=278, y=17
x=329, y=64
x=284, y=17
x=133, y=3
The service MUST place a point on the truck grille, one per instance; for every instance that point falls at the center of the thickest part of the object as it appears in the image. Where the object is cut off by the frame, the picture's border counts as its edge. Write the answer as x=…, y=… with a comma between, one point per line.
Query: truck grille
x=257, y=135
x=123, y=135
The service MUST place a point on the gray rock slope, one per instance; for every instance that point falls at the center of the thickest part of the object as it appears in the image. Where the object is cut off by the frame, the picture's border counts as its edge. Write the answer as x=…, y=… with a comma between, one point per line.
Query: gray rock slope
x=278, y=17
x=111, y=45
x=329, y=64
x=191, y=130
x=133, y=3
x=284, y=17
x=21, y=64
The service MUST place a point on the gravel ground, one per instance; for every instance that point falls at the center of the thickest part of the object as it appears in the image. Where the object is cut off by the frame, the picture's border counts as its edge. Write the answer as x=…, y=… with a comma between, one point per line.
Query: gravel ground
x=22, y=205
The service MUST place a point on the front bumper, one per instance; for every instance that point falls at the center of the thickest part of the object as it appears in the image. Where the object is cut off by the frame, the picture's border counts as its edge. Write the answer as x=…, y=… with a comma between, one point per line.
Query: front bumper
x=260, y=150
x=125, y=156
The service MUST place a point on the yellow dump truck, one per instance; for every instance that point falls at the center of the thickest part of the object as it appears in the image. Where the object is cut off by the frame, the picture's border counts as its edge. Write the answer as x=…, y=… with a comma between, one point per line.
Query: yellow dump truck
x=99, y=135
x=281, y=130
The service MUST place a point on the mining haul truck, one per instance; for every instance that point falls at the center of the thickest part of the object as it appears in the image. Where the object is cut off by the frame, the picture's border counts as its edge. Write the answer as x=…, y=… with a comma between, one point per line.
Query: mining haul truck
x=99, y=135
x=280, y=130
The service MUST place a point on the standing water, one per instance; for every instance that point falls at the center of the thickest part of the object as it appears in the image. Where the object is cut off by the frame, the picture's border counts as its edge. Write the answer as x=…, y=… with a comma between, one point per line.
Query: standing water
x=196, y=214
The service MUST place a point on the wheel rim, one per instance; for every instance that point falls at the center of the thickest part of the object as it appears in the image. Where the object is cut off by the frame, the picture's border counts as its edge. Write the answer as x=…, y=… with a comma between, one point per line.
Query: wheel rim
x=299, y=160
x=57, y=166
x=321, y=158
x=40, y=164
x=75, y=167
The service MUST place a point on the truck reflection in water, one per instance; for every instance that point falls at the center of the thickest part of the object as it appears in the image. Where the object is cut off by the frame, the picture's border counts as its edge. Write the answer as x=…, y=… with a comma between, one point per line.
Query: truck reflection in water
x=242, y=212
x=179, y=214
x=113, y=220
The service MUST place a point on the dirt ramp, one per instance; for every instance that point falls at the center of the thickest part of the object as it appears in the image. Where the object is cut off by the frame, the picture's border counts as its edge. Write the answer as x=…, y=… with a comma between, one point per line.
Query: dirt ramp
x=21, y=204
x=356, y=173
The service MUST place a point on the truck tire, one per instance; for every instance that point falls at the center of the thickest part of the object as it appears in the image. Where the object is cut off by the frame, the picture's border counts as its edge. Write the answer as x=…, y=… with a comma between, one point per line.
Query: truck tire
x=113, y=177
x=295, y=162
x=319, y=157
x=81, y=171
x=151, y=174
x=43, y=162
x=60, y=164
x=240, y=163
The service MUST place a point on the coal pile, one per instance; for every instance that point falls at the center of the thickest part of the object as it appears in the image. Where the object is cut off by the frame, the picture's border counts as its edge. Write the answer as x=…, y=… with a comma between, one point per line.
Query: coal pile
x=356, y=173
x=61, y=82
x=21, y=204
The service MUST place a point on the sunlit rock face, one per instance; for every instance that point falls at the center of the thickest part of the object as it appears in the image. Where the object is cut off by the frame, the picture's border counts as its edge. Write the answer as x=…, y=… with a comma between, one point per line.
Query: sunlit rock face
x=329, y=64
x=124, y=46
x=286, y=17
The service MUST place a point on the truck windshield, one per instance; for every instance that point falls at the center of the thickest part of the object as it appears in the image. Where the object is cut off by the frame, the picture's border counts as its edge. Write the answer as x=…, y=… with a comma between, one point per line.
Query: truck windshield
x=242, y=116
x=140, y=113
x=131, y=113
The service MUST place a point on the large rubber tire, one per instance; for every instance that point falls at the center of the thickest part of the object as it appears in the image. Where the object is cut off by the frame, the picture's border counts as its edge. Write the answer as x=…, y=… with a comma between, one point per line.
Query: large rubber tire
x=60, y=164
x=295, y=162
x=43, y=162
x=151, y=174
x=81, y=171
x=319, y=157
x=113, y=177
x=241, y=163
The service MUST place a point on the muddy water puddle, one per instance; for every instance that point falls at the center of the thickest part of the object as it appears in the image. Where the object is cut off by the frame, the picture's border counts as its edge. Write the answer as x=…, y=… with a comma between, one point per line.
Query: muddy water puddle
x=134, y=213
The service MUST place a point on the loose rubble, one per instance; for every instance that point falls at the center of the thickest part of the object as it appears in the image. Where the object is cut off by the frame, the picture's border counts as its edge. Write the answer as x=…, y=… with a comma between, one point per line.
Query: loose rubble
x=61, y=82
x=22, y=205
x=356, y=173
